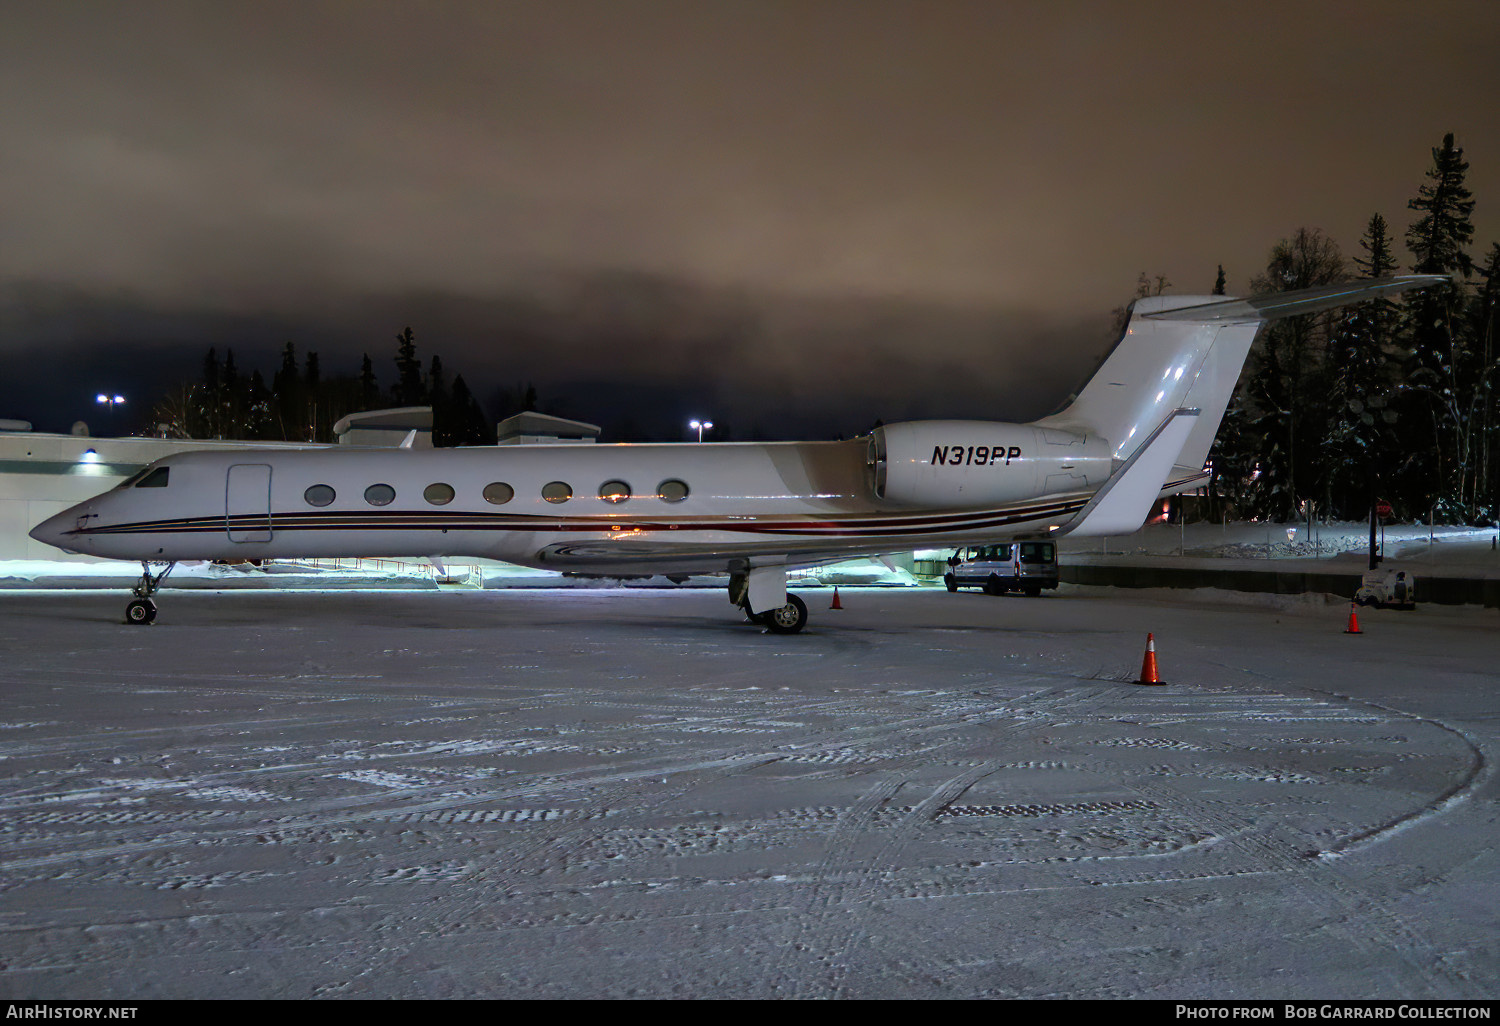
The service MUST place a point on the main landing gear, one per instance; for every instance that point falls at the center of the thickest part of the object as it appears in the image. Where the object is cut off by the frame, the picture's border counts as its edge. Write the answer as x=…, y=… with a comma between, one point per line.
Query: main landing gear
x=785, y=619
x=142, y=610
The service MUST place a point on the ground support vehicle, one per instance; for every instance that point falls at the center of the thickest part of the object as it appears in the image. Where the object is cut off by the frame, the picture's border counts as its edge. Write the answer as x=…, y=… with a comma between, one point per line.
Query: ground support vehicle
x=1024, y=566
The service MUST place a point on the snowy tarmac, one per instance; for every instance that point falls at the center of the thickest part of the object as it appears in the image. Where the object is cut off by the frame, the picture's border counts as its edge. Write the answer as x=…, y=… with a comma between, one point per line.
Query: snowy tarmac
x=610, y=793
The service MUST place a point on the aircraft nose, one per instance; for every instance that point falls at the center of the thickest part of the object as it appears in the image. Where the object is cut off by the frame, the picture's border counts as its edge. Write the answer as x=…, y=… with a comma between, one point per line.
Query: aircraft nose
x=54, y=531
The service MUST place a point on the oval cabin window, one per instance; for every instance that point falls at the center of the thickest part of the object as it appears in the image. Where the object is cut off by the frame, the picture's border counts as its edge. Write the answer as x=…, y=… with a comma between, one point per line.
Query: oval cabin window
x=498, y=493
x=380, y=495
x=319, y=495
x=557, y=491
x=614, y=491
x=672, y=490
x=438, y=494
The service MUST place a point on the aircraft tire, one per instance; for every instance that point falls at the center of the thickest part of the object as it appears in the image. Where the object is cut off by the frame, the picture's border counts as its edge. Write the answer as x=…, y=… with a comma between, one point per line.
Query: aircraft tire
x=789, y=619
x=141, y=611
x=949, y=580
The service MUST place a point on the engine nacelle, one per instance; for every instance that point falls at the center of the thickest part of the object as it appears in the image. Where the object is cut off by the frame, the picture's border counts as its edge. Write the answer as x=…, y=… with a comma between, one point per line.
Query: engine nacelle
x=967, y=464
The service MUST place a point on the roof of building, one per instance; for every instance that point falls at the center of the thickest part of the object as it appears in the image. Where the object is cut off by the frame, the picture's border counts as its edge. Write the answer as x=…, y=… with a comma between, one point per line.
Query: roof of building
x=532, y=423
x=400, y=418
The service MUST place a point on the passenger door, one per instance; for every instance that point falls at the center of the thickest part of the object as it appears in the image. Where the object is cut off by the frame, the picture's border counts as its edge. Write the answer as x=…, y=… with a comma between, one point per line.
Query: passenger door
x=247, y=502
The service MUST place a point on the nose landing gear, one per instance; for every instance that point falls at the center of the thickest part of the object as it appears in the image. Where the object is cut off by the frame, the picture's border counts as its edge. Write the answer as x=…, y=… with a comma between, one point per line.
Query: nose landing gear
x=141, y=609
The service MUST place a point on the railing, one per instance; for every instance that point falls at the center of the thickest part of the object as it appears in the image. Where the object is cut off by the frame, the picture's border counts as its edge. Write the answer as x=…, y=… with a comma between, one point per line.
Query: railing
x=450, y=573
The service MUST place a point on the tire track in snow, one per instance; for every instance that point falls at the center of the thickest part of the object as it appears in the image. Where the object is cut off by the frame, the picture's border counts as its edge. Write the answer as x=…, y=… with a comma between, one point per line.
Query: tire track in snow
x=1371, y=927
x=833, y=881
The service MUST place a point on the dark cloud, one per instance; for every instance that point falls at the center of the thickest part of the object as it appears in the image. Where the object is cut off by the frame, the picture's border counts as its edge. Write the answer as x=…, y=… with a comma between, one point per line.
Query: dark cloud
x=797, y=199
x=622, y=349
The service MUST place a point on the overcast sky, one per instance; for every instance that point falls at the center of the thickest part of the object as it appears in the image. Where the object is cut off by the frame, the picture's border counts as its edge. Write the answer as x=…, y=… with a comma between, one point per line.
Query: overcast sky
x=871, y=208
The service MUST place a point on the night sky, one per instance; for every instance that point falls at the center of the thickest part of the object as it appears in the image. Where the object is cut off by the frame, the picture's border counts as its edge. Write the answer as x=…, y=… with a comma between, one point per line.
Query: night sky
x=791, y=217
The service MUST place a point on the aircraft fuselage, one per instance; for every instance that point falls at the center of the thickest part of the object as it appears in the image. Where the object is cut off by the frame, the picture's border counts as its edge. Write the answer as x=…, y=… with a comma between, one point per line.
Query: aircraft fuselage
x=587, y=508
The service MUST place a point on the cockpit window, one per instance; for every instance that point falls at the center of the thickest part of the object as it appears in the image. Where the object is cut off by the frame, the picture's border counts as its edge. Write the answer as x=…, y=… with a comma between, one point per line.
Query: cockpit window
x=156, y=479
x=130, y=481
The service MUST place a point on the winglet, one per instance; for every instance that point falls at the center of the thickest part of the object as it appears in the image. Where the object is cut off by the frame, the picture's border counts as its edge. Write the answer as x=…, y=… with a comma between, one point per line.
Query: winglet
x=406, y=443
x=1122, y=504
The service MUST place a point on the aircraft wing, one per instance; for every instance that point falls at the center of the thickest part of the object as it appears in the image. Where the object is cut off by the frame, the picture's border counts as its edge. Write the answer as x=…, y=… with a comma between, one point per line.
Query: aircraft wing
x=607, y=559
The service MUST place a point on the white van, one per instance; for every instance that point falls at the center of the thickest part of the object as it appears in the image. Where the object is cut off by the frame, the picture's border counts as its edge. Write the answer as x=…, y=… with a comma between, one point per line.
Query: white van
x=1025, y=566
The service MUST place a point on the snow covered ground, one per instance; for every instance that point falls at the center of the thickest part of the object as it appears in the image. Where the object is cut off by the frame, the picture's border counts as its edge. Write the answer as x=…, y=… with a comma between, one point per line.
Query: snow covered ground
x=1425, y=551
x=508, y=793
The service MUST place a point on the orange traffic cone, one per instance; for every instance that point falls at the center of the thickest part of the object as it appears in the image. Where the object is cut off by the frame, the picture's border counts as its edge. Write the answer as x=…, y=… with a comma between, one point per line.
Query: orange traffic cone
x=1148, y=664
x=836, y=603
x=1353, y=627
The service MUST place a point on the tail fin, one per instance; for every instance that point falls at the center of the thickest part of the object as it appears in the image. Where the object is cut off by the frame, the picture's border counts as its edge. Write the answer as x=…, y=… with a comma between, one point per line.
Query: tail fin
x=1186, y=352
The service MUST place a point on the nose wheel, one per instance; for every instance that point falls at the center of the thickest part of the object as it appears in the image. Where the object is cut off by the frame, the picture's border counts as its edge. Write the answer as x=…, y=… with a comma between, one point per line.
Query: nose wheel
x=141, y=609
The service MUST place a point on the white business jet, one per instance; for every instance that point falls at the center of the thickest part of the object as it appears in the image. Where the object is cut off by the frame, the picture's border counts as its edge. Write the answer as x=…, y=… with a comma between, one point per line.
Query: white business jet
x=1140, y=428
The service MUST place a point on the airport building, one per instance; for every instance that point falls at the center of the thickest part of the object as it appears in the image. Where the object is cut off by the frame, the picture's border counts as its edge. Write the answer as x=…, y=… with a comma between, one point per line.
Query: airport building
x=43, y=474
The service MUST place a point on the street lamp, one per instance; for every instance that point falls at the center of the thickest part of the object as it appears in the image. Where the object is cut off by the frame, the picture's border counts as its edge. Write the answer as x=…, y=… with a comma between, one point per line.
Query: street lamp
x=111, y=400
x=700, y=425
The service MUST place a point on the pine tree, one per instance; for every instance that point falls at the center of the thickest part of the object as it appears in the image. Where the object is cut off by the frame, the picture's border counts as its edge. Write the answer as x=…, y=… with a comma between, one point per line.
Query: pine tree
x=1439, y=369
x=1219, y=282
x=369, y=389
x=1232, y=461
x=209, y=414
x=318, y=428
x=1440, y=236
x=443, y=429
x=290, y=395
x=259, y=418
x=407, y=391
x=1358, y=439
x=232, y=401
x=1485, y=331
x=1359, y=442
x=469, y=424
x=1284, y=380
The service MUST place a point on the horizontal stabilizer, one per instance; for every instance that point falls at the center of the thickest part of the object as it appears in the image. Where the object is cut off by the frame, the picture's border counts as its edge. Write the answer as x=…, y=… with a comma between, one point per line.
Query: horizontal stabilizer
x=1275, y=305
x=1121, y=506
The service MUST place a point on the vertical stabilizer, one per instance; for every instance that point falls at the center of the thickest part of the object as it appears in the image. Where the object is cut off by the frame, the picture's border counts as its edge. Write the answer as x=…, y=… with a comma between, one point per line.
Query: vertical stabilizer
x=1186, y=352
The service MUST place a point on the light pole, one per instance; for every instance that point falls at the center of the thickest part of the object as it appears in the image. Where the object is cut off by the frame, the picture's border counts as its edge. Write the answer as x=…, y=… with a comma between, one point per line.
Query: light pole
x=111, y=400
x=700, y=425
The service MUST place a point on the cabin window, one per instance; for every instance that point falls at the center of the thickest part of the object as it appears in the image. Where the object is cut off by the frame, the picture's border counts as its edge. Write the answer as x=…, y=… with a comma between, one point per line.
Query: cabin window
x=499, y=493
x=319, y=495
x=156, y=479
x=557, y=491
x=438, y=494
x=672, y=490
x=380, y=495
x=614, y=491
